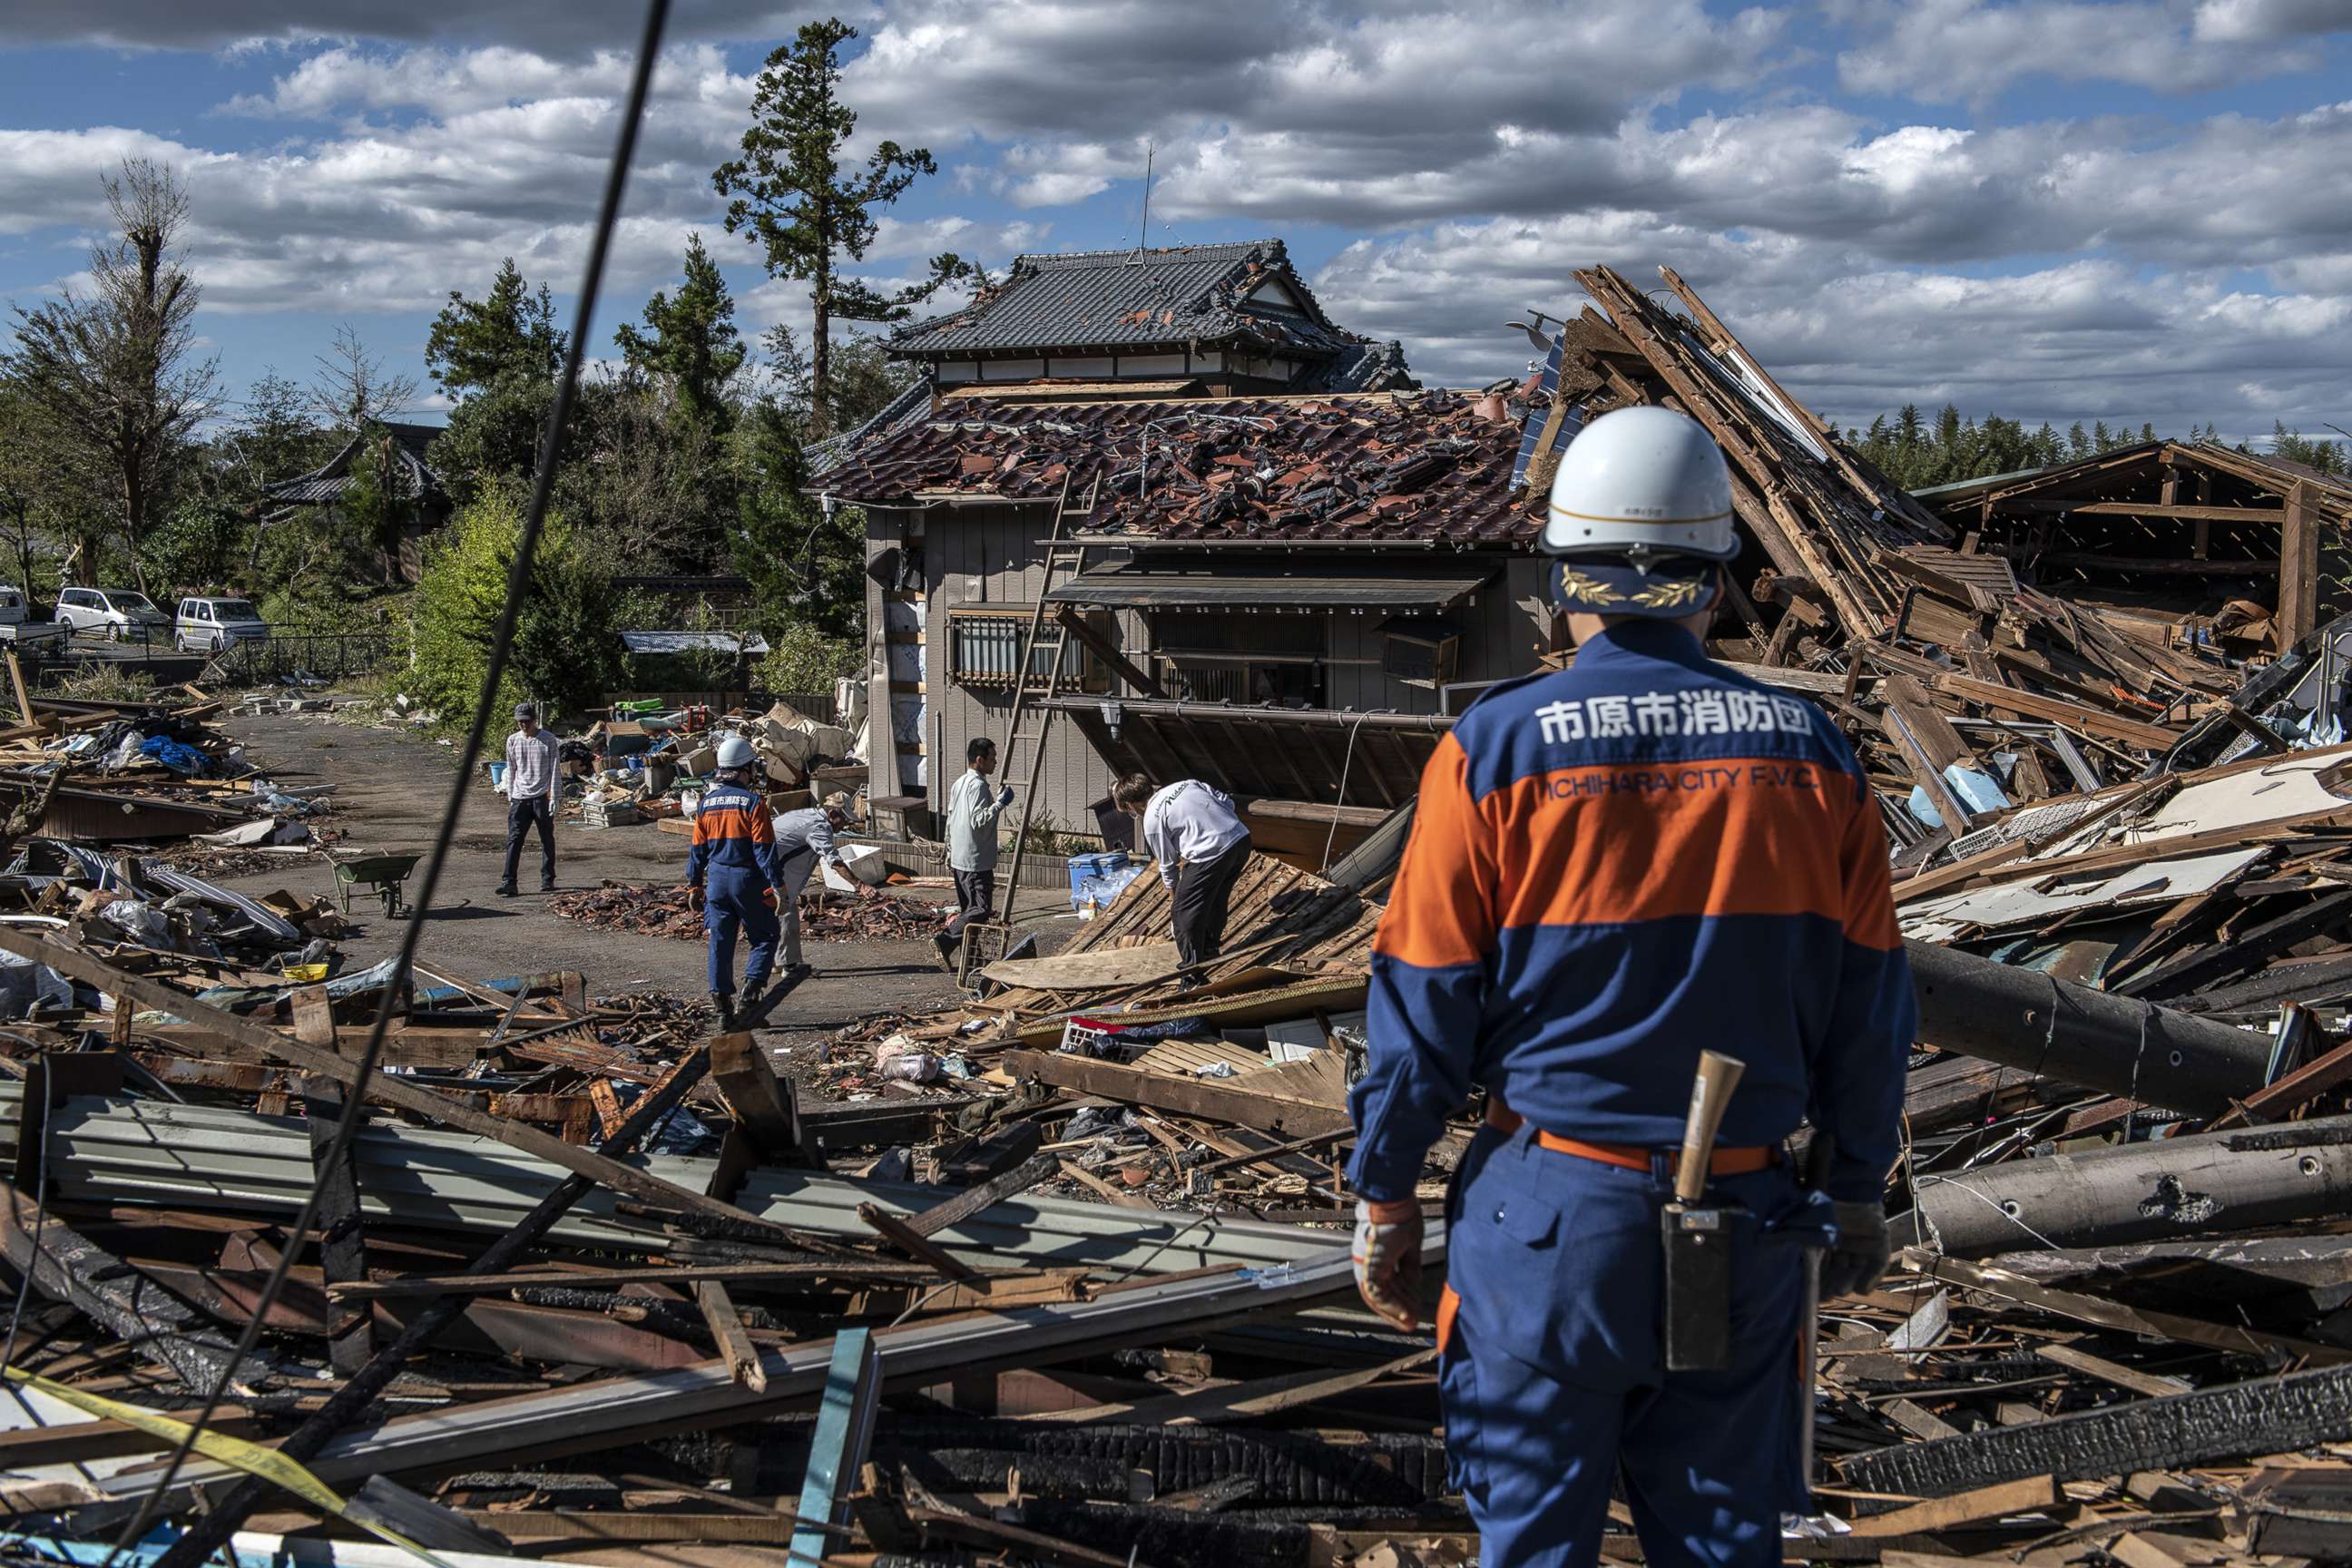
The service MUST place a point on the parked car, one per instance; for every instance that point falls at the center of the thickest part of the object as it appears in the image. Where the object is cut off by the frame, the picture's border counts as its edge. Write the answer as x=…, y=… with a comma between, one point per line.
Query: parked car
x=117, y=613
x=17, y=625
x=208, y=625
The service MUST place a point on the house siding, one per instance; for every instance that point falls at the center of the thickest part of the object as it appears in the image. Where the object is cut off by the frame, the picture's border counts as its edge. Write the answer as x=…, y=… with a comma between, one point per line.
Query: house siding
x=995, y=555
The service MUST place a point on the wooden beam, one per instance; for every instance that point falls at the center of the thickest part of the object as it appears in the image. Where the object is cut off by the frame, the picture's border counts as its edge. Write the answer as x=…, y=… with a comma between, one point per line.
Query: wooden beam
x=342, y=1240
x=2298, y=600
x=970, y=1202
x=2155, y=508
x=1235, y=1102
x=895, y=1231
x=2159, y=565
x=765, y=1104
x=2036, y=1494
x=1103, y=648
x=2074, y=715
x=726, y=1326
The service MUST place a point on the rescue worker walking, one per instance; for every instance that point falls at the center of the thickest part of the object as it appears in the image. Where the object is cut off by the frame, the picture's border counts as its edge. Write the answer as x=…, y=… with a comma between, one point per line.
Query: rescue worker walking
x=805, y=840
x=731, y=875
x=1611, y=867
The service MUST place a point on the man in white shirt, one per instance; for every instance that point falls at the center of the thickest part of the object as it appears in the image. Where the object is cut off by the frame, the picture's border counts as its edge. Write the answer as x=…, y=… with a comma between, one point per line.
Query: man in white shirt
x=1201, y=846
x=534, y=785
x=974, y=808
x=805, y=841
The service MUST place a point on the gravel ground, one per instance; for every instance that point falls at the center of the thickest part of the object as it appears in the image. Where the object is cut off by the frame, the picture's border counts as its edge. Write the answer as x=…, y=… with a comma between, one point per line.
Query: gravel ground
x=391, y=785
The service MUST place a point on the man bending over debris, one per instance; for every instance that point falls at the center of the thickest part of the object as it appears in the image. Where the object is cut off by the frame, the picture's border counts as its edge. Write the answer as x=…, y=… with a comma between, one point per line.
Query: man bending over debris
x=1201, y=846
x=534, y=784
x=973, y=806
x=1611, y=867
x=805, y=840
x=731, y=874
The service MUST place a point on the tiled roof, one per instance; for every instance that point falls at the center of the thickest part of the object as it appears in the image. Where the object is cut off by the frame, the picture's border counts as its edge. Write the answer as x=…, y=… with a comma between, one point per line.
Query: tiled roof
x=1432, y=466
x=411, y=479
x=901, y=411
x=1112, y=298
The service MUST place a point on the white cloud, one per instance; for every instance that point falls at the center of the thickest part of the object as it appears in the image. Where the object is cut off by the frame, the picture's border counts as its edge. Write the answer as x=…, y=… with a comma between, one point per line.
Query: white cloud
x=2086, y=339
x=1943, y=51
x=2265, y=21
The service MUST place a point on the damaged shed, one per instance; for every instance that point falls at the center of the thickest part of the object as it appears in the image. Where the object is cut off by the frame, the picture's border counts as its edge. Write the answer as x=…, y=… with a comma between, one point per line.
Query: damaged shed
x=2231, y=545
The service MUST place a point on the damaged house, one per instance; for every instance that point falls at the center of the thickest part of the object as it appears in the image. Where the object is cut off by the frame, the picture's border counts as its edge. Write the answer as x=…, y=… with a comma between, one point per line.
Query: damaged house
x=2243, y=548
x=395, y=454
x=1275, y=553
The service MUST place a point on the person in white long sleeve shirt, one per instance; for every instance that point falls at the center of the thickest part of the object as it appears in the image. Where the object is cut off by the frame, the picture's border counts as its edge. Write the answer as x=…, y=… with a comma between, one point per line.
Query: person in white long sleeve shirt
x=1201, y=847
x=973, y=806
x=534, y=784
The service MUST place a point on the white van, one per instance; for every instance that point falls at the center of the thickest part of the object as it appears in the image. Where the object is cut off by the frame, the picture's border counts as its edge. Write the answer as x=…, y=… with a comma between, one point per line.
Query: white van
x=208, y=625
x=115, y=612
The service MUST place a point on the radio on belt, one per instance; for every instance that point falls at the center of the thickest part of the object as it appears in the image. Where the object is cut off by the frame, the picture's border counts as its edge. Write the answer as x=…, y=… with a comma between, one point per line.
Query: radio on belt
x=1700, y=1239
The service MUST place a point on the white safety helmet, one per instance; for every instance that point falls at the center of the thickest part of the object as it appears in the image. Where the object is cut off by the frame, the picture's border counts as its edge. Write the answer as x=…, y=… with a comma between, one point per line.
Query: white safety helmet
x=735, y=752
x=1641, y=517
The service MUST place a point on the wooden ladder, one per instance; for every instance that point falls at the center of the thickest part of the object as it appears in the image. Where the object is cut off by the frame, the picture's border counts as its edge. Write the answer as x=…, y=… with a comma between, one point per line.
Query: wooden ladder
x=1047, y=641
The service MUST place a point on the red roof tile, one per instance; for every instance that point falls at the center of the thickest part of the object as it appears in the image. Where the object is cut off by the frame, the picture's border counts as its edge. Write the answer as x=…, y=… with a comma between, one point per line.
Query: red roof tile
x=1403, y=466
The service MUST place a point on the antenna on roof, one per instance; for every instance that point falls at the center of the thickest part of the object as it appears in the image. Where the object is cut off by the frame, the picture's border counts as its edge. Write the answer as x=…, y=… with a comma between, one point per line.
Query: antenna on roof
x=1143, y=231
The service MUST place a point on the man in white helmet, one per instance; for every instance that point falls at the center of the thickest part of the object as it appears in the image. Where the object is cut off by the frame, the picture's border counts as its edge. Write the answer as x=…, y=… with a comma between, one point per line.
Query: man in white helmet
x=1613, y=866
x=731, y=874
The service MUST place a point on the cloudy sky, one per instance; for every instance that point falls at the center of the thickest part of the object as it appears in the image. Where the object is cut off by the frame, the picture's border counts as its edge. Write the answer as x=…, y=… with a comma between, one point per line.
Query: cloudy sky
x=2121, y=209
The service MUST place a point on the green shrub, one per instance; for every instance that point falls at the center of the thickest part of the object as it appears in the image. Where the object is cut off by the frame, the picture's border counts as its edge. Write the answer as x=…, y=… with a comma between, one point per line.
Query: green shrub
x=802, y=658
x=564, y=652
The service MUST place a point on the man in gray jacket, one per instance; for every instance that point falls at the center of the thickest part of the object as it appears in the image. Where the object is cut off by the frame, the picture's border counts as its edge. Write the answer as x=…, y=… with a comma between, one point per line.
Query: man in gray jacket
x=973, y=806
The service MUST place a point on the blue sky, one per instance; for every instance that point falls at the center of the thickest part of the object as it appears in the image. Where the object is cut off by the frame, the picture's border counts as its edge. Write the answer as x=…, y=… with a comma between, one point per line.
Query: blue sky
x=2136, y=211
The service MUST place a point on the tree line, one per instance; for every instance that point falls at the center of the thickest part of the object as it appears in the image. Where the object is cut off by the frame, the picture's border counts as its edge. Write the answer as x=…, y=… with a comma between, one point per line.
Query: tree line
x=125, y=460
x=1918, y=454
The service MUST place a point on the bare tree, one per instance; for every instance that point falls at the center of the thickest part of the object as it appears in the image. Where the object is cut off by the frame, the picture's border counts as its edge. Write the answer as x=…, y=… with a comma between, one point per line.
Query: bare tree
x=115, y=369
x=353, y=389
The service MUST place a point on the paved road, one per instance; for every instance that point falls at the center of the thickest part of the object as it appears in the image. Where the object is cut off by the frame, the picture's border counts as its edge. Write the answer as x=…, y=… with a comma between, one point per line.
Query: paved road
x=391, y=786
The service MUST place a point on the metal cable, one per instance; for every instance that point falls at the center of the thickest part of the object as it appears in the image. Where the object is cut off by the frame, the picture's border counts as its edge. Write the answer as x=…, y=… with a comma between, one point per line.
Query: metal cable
x=501, y=643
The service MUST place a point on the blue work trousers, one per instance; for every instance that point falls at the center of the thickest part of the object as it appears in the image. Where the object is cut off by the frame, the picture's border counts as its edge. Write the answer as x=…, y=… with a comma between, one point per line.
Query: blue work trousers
x=1553, y=1377
x=734, y=901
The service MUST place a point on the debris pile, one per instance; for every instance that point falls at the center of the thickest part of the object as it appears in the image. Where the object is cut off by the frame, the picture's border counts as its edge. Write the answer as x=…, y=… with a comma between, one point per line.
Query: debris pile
x=652, y=908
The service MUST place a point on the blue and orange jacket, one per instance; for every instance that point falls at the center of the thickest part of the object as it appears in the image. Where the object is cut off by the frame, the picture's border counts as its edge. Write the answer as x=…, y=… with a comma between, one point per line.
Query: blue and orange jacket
x=733, y=833
x=1613, y=866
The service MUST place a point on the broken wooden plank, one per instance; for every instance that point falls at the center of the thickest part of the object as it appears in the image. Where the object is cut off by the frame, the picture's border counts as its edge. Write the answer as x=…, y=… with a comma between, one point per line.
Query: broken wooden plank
x=899, y=1234
x=726, y=1325
x=972, y=1200
x=2031, y=1495
x=2074, y=1357
x=764, y=1105
x=1218, y=1101
x=342, y=1240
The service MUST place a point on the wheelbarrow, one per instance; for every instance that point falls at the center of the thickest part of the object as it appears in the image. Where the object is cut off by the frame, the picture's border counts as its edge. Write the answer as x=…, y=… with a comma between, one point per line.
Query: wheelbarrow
x=381, y=875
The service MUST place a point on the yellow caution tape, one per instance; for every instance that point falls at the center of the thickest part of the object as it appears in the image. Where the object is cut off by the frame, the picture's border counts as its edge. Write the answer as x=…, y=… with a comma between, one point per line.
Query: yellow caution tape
x=253, y=1458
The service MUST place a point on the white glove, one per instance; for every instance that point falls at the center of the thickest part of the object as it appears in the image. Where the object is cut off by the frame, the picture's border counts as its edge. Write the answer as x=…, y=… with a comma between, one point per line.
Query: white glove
x=1387, y=1256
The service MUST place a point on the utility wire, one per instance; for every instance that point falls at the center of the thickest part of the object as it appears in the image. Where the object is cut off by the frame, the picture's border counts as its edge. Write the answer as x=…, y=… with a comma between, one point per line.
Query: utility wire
x=501, y=643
